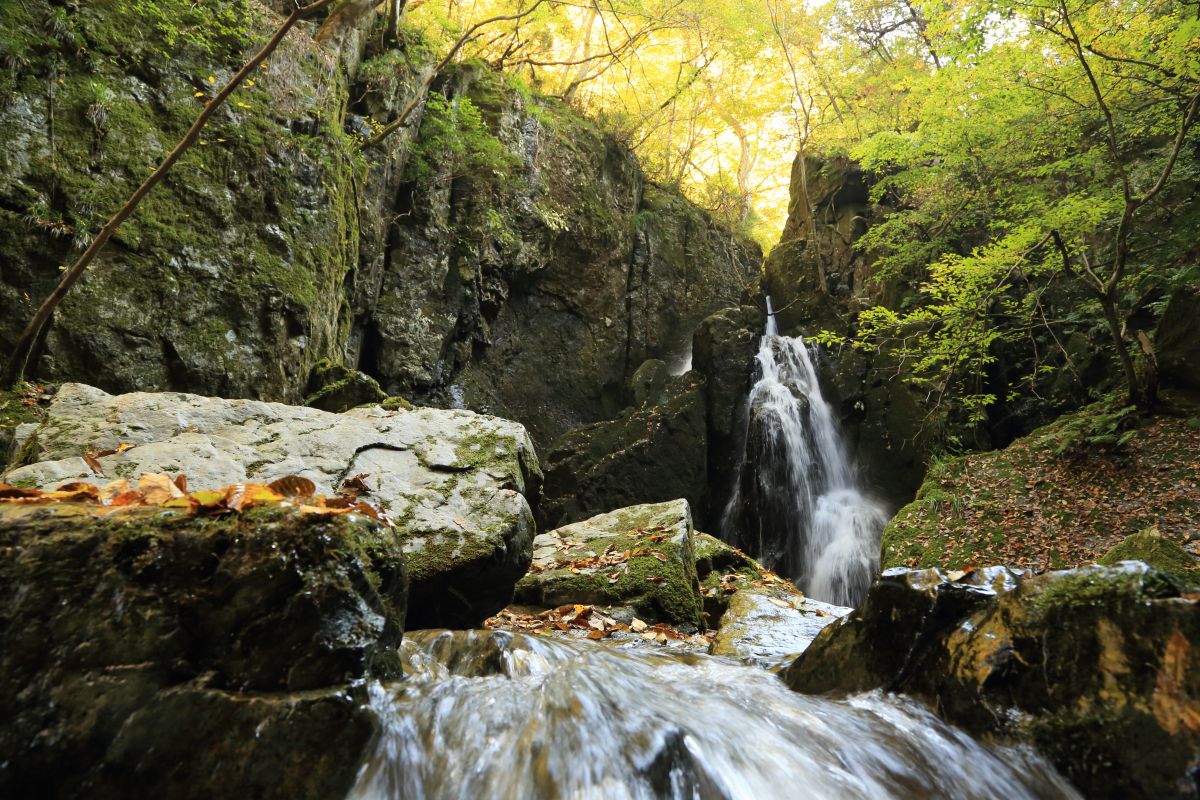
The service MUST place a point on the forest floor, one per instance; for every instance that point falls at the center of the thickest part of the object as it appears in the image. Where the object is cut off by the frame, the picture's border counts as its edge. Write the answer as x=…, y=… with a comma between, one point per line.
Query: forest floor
x=1052, y=499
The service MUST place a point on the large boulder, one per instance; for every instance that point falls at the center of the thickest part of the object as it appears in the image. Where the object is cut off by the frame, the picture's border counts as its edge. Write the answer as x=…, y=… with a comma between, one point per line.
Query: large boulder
x=640, y=557
x=156, y=652
x=453, y=482
x=650, y=454
x=1096, y=667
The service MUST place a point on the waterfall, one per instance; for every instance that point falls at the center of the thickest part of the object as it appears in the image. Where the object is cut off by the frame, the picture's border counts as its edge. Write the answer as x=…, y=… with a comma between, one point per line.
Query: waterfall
x=797, y=505
x=485, y=714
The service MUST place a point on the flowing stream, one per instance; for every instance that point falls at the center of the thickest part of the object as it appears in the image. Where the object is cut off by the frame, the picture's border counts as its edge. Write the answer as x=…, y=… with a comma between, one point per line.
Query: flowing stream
x=485, y=714
x=797, y=505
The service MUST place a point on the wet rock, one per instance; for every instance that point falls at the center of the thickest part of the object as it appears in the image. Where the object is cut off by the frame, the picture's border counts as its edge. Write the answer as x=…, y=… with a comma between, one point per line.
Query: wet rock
x=723, y=351
x=586, y=563
x=649, y=381
x=770, y=627
x=651, y=454
x=1093, y=666
x=120, y=630
x=454, y=483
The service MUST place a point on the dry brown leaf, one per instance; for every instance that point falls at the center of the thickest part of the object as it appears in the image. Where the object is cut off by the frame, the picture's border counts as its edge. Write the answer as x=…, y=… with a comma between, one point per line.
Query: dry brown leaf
x=113, y=490
x=157, y=488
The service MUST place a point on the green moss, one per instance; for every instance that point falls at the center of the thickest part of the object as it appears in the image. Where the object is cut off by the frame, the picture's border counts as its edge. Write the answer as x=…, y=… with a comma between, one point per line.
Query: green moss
x=397, y=403
x=1099, y=588
x=261, y=211
x=1059, y=497
x=1151, y=547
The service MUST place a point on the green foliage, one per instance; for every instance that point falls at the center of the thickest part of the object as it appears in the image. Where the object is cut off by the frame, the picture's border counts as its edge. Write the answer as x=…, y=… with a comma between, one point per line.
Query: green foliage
x=213, y=28
x=1107, y=426
x=455, y=141
x=1043, y=125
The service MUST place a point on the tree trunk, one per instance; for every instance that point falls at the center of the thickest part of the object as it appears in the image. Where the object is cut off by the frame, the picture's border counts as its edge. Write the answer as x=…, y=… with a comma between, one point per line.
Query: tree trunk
x=1142, y=387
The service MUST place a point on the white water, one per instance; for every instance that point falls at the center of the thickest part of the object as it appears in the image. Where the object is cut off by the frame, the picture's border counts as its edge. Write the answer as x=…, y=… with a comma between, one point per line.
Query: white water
x=808, y=518
x=502, y=716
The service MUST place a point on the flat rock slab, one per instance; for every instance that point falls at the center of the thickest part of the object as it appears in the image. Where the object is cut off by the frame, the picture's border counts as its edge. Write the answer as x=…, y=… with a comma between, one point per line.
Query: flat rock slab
x=770, y=627
x=641, y=557
x=454, y=482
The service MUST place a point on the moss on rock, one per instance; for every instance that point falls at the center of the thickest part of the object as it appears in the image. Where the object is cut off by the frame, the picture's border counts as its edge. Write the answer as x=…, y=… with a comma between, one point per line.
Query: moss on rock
x=641, y=557
x=1151, y=547
x=230, y=638
x=227, y=279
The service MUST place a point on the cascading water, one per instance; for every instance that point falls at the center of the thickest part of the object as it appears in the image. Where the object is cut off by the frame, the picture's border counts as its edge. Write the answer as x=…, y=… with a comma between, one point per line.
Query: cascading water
x=797, y=505
x=504, y=716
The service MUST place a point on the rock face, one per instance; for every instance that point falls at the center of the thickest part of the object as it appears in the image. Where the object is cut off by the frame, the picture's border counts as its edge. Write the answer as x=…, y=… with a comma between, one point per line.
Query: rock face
x=536, y=293
x=228, y=278
x=586, y=563
x=500, y=252
x=650, y=454
x=118, y=631
x=1178, y=339
x=1095, y=667
x=454, y=483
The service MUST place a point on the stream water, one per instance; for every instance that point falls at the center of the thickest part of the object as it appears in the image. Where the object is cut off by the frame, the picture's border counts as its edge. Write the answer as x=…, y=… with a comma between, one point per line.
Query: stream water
x=485, y=714
x=798, y=506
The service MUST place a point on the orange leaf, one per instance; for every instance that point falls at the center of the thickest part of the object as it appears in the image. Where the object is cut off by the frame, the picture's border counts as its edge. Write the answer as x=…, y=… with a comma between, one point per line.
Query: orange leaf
x=244, y=495
x=7, y=491
x=157, y=488
x=293, y=486
x=93, y=463
x=114, y=489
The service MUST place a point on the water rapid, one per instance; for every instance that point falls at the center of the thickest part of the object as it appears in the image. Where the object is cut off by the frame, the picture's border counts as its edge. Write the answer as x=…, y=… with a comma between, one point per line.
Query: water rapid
x=485, y=714
x=797, y=505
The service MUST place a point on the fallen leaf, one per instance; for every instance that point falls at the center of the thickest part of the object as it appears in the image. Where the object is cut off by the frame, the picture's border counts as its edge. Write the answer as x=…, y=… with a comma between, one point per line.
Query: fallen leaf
x=293, y=486
x=157, y=488
x=7, y=491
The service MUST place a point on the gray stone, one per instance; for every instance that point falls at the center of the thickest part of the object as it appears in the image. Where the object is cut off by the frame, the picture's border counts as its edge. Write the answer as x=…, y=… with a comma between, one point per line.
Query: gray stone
x=770, y=627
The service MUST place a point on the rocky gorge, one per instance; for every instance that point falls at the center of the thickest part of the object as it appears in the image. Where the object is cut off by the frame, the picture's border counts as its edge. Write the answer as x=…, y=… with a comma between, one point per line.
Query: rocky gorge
x=478, y=464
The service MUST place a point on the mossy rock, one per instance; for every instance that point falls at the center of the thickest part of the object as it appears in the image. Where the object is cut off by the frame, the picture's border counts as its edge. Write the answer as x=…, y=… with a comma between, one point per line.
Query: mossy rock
x=1151, y=547
x=225, y=645
x=228, y=277
x=335, y=388
x=1094, y=666
x=641, y=557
